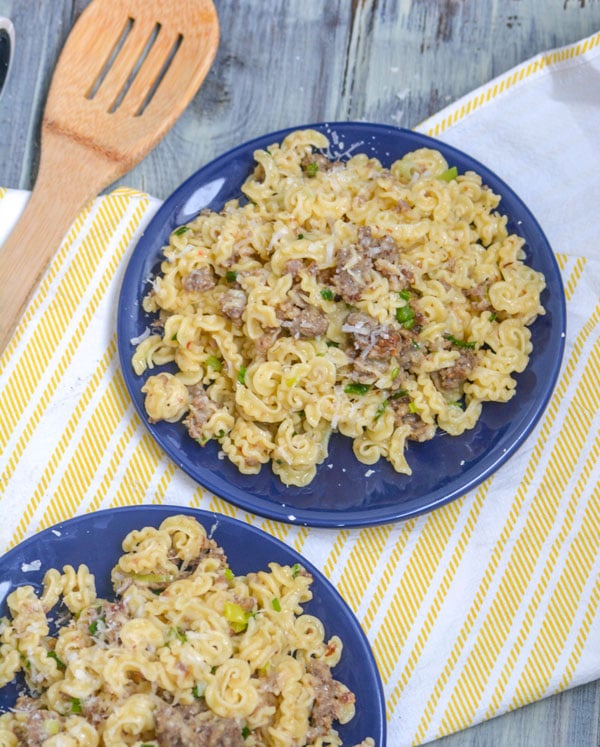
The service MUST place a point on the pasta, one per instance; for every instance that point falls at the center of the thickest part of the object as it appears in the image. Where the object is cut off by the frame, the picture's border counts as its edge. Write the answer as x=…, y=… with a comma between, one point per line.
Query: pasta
x=379, y=303
x=188, y=654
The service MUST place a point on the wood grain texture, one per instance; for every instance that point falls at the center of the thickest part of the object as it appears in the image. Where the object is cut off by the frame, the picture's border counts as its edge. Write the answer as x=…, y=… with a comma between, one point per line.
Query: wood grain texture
x=289, y=62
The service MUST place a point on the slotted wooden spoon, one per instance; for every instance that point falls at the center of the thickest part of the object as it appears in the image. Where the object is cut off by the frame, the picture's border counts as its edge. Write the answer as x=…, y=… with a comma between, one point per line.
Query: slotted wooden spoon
x=127, y=71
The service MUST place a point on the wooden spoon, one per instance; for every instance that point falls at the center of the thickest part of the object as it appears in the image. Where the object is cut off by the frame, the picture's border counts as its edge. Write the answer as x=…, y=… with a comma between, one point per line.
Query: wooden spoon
x=127, y=71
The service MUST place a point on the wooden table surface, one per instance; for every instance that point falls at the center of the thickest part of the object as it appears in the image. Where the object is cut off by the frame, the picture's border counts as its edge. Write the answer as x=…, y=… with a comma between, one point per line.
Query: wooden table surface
x=290, y=62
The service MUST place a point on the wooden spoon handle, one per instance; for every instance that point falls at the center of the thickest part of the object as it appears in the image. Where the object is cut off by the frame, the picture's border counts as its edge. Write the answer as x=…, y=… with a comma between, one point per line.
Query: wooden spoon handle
x=70, y=174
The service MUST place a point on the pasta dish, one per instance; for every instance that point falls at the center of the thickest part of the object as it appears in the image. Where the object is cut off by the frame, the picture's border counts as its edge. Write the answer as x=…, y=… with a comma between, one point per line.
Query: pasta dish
x=189, y=654
x=338, y=296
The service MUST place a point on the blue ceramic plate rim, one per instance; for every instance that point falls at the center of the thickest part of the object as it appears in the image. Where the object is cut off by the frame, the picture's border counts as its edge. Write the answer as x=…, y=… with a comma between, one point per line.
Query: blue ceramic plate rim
x=95, y=539
x=346, y=493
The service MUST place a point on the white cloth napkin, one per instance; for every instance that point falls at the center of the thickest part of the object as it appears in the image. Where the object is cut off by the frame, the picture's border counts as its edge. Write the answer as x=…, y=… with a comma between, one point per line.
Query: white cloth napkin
x=482, y=606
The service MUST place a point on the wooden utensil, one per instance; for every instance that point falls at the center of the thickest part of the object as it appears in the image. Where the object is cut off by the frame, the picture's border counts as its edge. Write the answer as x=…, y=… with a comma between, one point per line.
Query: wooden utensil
x=127, y=71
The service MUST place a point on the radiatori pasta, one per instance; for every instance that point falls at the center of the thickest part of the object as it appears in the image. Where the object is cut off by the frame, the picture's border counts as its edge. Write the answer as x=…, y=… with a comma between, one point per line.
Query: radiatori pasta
x=379, y=303
x=189, y=654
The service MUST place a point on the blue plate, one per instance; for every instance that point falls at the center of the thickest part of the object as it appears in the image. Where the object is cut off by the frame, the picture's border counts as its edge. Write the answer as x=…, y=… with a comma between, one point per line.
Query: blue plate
x=346, y=492
x=95, y=539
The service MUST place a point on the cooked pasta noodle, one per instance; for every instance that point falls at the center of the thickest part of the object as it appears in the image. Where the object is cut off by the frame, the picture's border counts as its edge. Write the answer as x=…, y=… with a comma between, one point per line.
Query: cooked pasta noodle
x=380, y=303
x=189, y=653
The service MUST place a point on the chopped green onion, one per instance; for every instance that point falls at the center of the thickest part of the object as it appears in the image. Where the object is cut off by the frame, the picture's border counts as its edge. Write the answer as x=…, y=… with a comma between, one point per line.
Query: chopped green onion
x=245, y=732
x=312, y=168
x=332, y=344
x=327, y=294
x=460, y=343
x=300, y=235
x=198, y=690
x=276, y=605
x=214, y=362
x=180, y=230
x=60, y=664
x=76, y=705
x=93, y=627
x=493, y=316
x=236, y=616
x=381, y=409
x=405, y=316
x=449, y=174
x=228, y=573
x=241, y=377
x=404, y=294
x=394, y=373
x=231, y=276
x=52, y=726
x=412, y=408
x=177, y=633
x=356, y=388
x=295, y=570
x=400, y=393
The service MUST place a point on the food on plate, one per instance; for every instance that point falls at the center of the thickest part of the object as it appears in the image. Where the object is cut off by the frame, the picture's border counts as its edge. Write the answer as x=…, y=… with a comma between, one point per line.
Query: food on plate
x=338, y=295
x=188, y=654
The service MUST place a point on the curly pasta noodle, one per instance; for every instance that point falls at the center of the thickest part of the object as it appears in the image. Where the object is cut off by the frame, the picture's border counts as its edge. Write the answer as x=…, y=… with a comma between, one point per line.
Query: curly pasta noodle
x=189, y=653
x=380, y=303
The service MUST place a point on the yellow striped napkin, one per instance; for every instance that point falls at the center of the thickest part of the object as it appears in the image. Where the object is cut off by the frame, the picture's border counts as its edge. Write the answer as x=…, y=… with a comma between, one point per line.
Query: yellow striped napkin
x=486, y=604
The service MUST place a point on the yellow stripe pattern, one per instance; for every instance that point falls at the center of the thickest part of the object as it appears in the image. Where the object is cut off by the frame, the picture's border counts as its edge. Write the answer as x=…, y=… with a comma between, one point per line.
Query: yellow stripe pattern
x=484, y=605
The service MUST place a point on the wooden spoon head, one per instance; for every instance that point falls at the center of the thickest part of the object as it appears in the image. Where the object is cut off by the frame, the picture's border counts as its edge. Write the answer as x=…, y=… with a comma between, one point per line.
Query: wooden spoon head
x=126, y=73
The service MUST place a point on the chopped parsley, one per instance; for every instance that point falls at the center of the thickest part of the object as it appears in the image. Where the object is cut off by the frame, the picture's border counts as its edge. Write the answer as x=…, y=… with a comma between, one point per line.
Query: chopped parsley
x=245, y=732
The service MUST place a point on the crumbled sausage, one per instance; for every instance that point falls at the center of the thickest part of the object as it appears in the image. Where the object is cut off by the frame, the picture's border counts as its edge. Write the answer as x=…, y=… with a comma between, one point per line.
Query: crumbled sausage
x=320, y=161
x=201, y=409
x=352, y=274
x=195, y=726
x=376, y=347
x=330, y=697
x=202, y=279
x=451, y=378
x=233, y=303
x=305, y=321
x=36, y=729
